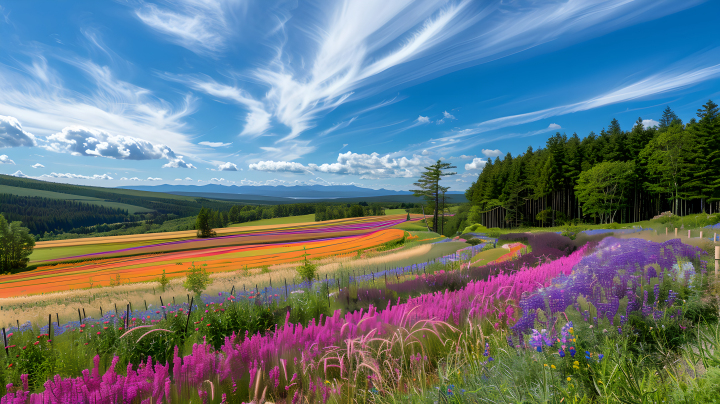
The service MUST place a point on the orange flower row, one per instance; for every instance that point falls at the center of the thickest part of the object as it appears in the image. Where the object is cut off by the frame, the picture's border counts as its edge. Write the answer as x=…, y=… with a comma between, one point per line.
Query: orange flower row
x=150, y=266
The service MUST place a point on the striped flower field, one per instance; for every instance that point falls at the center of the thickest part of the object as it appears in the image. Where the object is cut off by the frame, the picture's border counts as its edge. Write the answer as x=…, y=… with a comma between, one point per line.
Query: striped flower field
x=145, y=263
x=117, y=246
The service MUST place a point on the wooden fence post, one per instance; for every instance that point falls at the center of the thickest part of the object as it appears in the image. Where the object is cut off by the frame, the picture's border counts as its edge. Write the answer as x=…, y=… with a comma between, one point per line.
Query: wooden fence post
x=5, y=339
x=50, y=328
x=717, y=260
x=189, y=311
x=162, y=306
x=79, y=316
x=676, y=232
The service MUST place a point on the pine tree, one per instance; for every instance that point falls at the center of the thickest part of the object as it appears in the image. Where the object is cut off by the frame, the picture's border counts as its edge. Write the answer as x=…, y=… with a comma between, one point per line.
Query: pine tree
x=668, y=117
x=429, y=186
x=203, y=224
x=706, y=132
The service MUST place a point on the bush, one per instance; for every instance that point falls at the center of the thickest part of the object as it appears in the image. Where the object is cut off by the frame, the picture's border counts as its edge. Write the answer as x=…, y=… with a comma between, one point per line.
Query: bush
x=494, y=232
x=307, y=271
x=197, y=279
x=475, y=228
x=162, y=280
x=473, y=241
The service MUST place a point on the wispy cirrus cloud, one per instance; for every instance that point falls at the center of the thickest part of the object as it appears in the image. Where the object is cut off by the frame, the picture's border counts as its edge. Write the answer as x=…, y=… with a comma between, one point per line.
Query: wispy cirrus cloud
x=215, y=144
x=358, y=48
x=200, y=26
x=680, y=76
x=44, y=105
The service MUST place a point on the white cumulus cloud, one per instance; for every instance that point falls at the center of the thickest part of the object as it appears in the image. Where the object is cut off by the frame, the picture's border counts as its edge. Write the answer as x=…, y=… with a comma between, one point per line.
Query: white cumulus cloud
x=70, y=176
x=20, y=174
x=477, y=164
x=153, y=179
x=491, y=153
x=4, y=159
x=649, y=123
x=38, y=165
x=227, y=167
x=81, y=141
x=423, y=119
x=279, y=166
x=178, y=163
x=374, y=165
x=12, y=133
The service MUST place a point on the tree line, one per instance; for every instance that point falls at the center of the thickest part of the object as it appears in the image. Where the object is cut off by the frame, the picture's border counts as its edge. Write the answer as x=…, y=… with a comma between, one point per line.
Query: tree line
x=42, y=215
x=621, y=176
x=332, y=212
x=180, y=206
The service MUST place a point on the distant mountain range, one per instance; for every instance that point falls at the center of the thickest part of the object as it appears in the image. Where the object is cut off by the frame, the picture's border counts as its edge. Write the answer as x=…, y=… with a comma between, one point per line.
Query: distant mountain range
x=279, y=191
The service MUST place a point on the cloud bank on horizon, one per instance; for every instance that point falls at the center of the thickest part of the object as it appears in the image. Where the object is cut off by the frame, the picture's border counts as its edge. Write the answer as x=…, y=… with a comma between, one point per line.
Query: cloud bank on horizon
x=332, y=92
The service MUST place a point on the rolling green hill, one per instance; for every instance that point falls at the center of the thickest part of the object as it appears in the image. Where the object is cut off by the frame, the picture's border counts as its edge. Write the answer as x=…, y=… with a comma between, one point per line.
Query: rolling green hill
x=132, y=209
x=151, y=201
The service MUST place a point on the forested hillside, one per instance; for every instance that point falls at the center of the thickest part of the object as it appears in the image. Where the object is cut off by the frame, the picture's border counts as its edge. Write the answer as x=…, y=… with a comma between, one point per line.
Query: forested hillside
x=162, y=203
x=621, y=176
x=42, y=215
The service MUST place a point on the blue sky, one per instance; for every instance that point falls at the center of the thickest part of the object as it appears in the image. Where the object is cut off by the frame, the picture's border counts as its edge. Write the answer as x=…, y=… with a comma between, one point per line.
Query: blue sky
x=338, y=92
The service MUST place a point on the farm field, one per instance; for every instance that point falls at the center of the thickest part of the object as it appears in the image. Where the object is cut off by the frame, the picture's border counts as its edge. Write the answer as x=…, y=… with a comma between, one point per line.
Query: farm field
x=104, y=247
x=145, y=267
x=278, y=220
x=132, y=209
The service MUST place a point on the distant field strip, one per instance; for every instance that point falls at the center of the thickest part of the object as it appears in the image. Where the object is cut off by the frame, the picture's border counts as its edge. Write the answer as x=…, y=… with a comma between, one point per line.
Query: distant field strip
x=105, y=247
x=132, y=209
x=149, y=266
x=278, y=220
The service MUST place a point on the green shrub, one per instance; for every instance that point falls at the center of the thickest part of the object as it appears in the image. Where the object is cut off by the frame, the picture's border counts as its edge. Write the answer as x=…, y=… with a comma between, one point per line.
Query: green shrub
x=475, y=228
x=494, y=232
x=307, y=271
x=163, y=281
x=197, y=279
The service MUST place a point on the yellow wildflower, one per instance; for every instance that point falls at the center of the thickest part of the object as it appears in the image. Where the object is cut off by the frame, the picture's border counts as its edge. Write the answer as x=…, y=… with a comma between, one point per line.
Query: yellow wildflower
x=568, y=379
x=553, y=366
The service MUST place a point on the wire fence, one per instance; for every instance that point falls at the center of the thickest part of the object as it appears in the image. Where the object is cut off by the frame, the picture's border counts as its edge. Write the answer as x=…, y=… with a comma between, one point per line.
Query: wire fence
x=152, y=313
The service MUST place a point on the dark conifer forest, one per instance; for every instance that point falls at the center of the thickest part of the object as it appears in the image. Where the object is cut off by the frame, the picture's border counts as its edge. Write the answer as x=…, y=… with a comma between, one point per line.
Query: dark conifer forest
x=614, y=176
